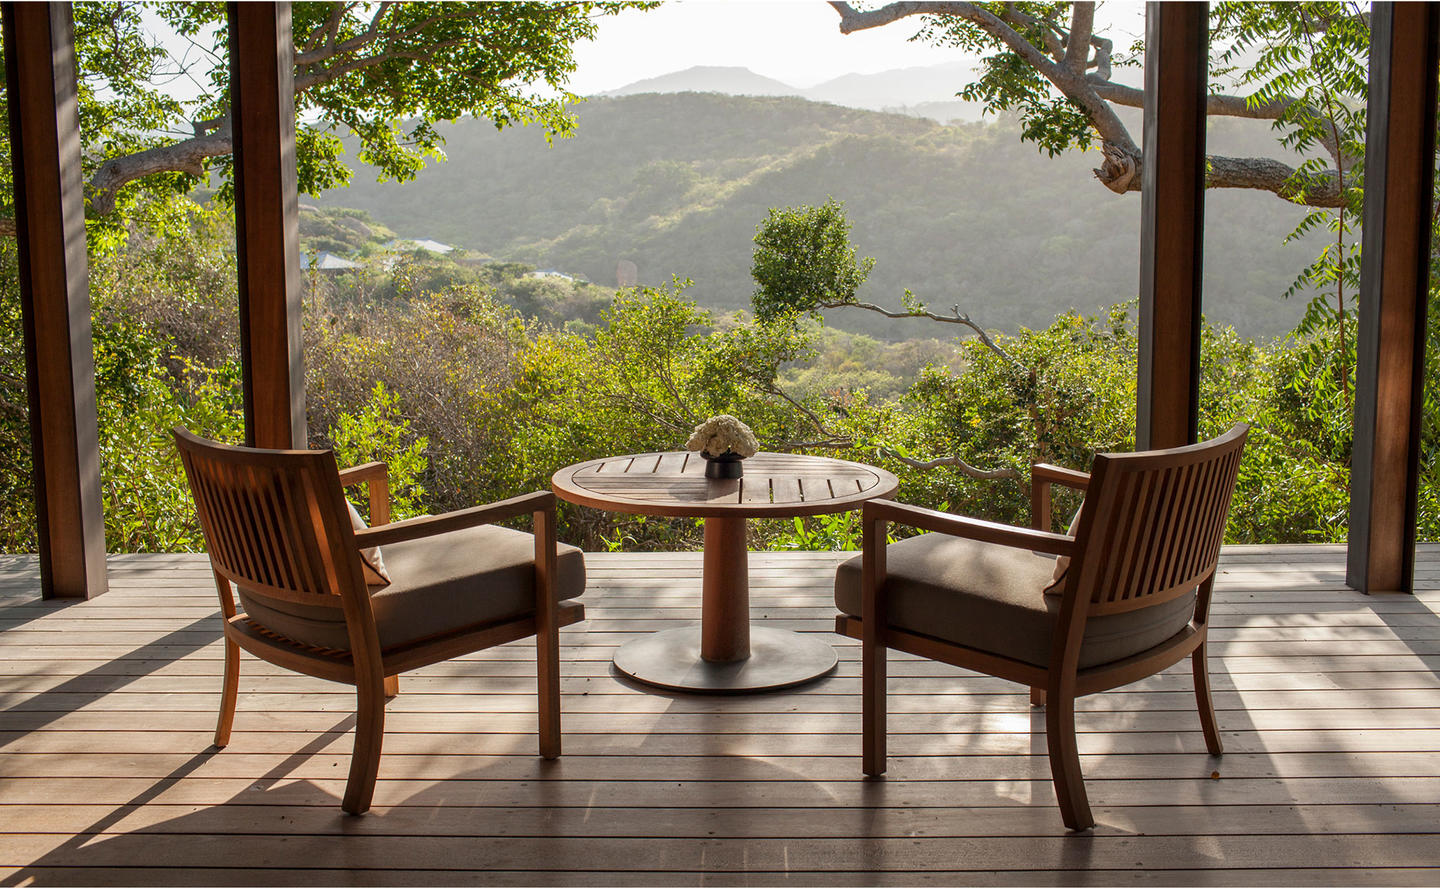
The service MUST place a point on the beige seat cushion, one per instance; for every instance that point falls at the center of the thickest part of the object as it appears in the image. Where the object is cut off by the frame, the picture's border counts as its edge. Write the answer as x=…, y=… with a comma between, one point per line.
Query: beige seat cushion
x=991, y=597
x=438, y=584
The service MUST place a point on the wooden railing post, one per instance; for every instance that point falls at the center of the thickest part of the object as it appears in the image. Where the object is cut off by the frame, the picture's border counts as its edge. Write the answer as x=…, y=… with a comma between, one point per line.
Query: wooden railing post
x=267, y=239
x=1394, y=290
x=55, y=297
x=1172, y=224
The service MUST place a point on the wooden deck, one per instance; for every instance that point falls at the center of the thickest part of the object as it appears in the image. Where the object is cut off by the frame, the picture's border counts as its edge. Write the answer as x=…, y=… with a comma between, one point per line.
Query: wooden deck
x=1329, y=701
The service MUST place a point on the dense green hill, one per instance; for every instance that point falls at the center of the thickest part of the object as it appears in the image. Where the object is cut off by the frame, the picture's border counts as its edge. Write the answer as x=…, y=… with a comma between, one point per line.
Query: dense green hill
x=962, y=214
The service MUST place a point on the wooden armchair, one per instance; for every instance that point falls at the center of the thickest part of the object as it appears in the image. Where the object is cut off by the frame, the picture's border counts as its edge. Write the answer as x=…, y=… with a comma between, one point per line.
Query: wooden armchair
x=277, y=526
x=1134, y=599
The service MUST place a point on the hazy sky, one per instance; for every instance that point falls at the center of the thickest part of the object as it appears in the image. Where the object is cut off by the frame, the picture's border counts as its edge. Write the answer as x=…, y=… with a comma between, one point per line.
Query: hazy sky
x=795, y=41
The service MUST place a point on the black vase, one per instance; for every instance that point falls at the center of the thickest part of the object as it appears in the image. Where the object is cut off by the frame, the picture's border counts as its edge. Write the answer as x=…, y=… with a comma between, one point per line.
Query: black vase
x=726, y=465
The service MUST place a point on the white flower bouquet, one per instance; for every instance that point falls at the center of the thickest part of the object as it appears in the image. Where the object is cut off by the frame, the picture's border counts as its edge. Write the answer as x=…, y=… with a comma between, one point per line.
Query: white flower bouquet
x=721, y=435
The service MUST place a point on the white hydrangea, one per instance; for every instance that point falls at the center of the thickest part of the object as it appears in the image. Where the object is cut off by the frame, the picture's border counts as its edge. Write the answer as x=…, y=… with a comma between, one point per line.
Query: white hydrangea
x=723, y=433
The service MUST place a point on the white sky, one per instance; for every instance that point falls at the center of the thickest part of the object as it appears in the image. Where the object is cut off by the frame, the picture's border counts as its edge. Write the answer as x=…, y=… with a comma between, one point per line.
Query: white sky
x=794, y=41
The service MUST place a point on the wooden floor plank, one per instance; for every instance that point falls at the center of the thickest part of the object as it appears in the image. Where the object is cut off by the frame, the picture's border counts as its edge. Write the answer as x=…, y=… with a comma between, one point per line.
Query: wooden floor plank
x=1328, y=701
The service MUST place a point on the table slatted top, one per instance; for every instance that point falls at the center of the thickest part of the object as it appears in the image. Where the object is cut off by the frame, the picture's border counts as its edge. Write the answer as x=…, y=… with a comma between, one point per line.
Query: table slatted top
x=674, y=484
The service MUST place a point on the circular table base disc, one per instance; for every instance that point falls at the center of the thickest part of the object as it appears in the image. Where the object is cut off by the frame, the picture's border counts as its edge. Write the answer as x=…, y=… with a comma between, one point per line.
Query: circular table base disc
x=778, y=659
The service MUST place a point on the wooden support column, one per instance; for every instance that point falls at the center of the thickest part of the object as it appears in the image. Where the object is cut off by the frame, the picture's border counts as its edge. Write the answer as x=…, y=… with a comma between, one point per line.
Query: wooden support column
x=1172, y=223
x=267, y=206
x=1394, y=285
x=55, y=297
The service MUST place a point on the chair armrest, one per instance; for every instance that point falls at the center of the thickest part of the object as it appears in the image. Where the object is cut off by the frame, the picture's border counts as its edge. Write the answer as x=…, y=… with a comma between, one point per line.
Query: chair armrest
x=376, y=476
x=427, y=526
x=1042, y=476
x=1070, y=478
x=961, y=526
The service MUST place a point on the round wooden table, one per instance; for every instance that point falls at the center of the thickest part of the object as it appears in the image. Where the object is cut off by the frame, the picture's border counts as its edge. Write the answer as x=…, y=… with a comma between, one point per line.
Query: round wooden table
x=723, y=654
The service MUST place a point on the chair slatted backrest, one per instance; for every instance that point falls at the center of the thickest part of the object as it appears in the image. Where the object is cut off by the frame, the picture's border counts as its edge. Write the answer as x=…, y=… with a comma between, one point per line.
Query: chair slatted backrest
x=1154, y=521
x=261, y=512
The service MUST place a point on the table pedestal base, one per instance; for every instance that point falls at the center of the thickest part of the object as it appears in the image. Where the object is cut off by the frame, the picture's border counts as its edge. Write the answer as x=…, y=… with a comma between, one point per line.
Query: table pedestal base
x=778, y=659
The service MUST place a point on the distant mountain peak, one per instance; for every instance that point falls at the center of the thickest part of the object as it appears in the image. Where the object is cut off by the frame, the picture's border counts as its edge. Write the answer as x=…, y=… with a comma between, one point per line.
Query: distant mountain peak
x=932, y=86
x=730, y=80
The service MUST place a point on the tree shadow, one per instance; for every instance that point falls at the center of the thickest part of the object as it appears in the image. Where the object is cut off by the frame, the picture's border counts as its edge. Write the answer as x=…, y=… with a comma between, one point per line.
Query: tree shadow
x=154, y=655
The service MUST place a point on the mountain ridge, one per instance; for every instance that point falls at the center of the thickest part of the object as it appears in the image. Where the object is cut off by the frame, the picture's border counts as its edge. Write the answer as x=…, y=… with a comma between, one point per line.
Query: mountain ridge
x=965, y=214
x=920, y=91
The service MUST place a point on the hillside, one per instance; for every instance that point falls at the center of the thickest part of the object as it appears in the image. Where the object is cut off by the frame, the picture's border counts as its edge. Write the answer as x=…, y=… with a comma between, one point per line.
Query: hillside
x=961, y=214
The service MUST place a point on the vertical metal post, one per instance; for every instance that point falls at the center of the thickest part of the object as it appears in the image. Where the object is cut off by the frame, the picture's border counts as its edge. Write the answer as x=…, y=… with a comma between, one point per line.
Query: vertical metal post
x=55, y=297
x=267, y=206
x=1172, y=223
x=1394, y=289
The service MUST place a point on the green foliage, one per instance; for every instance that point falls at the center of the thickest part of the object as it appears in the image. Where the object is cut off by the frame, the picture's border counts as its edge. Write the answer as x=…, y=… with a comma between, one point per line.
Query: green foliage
x=824, y=533
x=166, y=355
x=447, y=358
x=17, y=487
x=378, y=432
x=655, y=367
x=803, y=261
x=1068, y=392
x=469, y=403
x=1428, y=519
x=144, y=386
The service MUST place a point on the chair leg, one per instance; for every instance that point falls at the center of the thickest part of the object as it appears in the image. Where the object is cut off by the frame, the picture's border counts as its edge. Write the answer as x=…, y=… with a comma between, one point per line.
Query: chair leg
x=1065, y=762
x=547, y=669
x=369, y=735
x=392, y=686
x=1200, y=665
x=872, y=707
x=1037, y=696
x=228, y=694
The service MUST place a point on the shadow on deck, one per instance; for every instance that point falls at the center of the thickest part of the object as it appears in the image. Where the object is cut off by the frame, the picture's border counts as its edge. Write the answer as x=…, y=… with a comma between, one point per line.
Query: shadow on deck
x=1329, y=702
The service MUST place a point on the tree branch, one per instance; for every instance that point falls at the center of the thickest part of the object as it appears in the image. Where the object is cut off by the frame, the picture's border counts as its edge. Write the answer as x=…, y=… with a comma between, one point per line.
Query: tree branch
x=187, y=156
x=957, y=462
x=359, y=41
x=831, y=439
x=1077, y=45
x=1220, y=105
x=1074, y=85
x=1216, y=104
x=1095, y=94
x=957, y=318
x=1259, y=173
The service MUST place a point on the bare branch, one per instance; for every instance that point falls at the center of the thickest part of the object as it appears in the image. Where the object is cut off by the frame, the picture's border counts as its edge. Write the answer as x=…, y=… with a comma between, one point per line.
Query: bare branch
x=957, y=462
x=824, y=443
x=956, y=318
x=831, y=439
